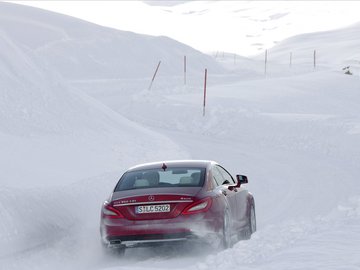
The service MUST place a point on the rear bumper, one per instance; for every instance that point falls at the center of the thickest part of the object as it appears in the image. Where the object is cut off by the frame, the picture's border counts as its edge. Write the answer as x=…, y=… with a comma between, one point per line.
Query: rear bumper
x=148, y=239
x=130, y=233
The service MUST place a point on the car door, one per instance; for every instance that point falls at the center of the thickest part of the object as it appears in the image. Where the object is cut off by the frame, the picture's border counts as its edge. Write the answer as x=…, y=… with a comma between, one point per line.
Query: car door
x=239, y=200
x=224, y=181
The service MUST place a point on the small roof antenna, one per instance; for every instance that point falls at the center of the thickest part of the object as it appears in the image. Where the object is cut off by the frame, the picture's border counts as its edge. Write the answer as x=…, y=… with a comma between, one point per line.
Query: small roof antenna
x=164, y=167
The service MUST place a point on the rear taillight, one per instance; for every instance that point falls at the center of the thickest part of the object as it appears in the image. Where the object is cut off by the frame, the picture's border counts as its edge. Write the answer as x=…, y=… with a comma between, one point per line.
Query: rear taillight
x=110, y=212
x=198, y=207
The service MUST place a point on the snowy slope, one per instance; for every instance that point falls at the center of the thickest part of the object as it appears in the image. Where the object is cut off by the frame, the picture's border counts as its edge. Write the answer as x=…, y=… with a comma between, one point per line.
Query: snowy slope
x=295, y=133
x=335, y=49
x=242, y=27
x=35, y=102
x=80, y=50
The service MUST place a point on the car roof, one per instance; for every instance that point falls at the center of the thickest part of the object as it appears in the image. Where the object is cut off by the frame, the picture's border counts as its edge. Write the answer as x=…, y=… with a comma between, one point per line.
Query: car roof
x=173, y=163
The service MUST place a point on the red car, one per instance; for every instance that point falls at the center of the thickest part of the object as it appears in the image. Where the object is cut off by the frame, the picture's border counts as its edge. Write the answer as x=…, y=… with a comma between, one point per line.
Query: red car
x=175, y=201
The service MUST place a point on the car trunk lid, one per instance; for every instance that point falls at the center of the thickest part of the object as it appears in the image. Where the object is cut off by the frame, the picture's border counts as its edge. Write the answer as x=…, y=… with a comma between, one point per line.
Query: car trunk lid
x=153, y=204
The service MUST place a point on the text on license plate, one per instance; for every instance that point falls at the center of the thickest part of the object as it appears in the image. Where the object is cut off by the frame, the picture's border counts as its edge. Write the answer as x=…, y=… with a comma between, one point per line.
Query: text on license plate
x=160, y=208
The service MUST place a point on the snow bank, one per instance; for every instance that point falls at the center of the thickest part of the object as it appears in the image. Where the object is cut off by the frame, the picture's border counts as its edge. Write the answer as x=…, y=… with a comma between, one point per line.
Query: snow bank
x=324, y=242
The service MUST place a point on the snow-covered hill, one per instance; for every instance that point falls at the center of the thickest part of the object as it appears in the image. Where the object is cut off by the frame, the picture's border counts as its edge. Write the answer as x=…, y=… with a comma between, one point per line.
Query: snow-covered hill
x=241, y=27
x=334, y=49
x=65, y=138
x=35, y=101
x=80, y=50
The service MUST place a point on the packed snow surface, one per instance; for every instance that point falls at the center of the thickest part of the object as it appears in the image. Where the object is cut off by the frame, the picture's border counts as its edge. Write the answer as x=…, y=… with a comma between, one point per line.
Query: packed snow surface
x=69, y=129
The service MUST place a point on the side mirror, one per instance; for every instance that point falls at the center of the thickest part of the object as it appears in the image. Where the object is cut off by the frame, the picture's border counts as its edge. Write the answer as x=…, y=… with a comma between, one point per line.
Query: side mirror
x=241, y=179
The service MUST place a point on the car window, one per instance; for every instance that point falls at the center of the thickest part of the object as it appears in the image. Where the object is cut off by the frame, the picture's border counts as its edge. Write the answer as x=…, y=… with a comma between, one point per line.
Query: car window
x=218, y=178
x=171, y=177
x=225, y=175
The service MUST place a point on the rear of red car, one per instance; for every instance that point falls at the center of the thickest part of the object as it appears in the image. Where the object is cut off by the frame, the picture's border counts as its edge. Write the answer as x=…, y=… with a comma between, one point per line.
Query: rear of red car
x=160, y=203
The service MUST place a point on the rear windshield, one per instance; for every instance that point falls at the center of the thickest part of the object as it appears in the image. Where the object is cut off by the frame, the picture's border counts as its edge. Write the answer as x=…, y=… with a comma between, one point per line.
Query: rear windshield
x=155, y=178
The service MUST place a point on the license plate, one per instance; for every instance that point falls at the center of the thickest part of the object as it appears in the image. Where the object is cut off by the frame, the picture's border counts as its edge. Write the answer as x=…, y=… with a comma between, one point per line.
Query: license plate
x=145, y=209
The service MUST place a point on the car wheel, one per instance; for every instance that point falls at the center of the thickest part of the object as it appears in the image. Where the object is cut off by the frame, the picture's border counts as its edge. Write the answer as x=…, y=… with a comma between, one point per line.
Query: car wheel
x=226, y=233
x=252, y=219
x=251, y=227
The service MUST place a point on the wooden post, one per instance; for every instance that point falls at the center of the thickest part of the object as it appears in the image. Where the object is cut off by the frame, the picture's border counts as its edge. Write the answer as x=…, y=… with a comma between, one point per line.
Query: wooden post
x=154, y=75
x=184, y=69
x=265, y=60
x=204, y=104
x=314, y=59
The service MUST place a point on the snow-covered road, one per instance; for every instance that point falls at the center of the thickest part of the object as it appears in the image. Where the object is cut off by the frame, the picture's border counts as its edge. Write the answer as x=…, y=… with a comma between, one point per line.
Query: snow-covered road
x=302, y=168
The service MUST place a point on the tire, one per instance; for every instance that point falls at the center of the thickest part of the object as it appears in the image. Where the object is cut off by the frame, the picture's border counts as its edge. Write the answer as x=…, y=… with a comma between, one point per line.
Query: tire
x=252, y=220
x=226, y=232
x=251, y=227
